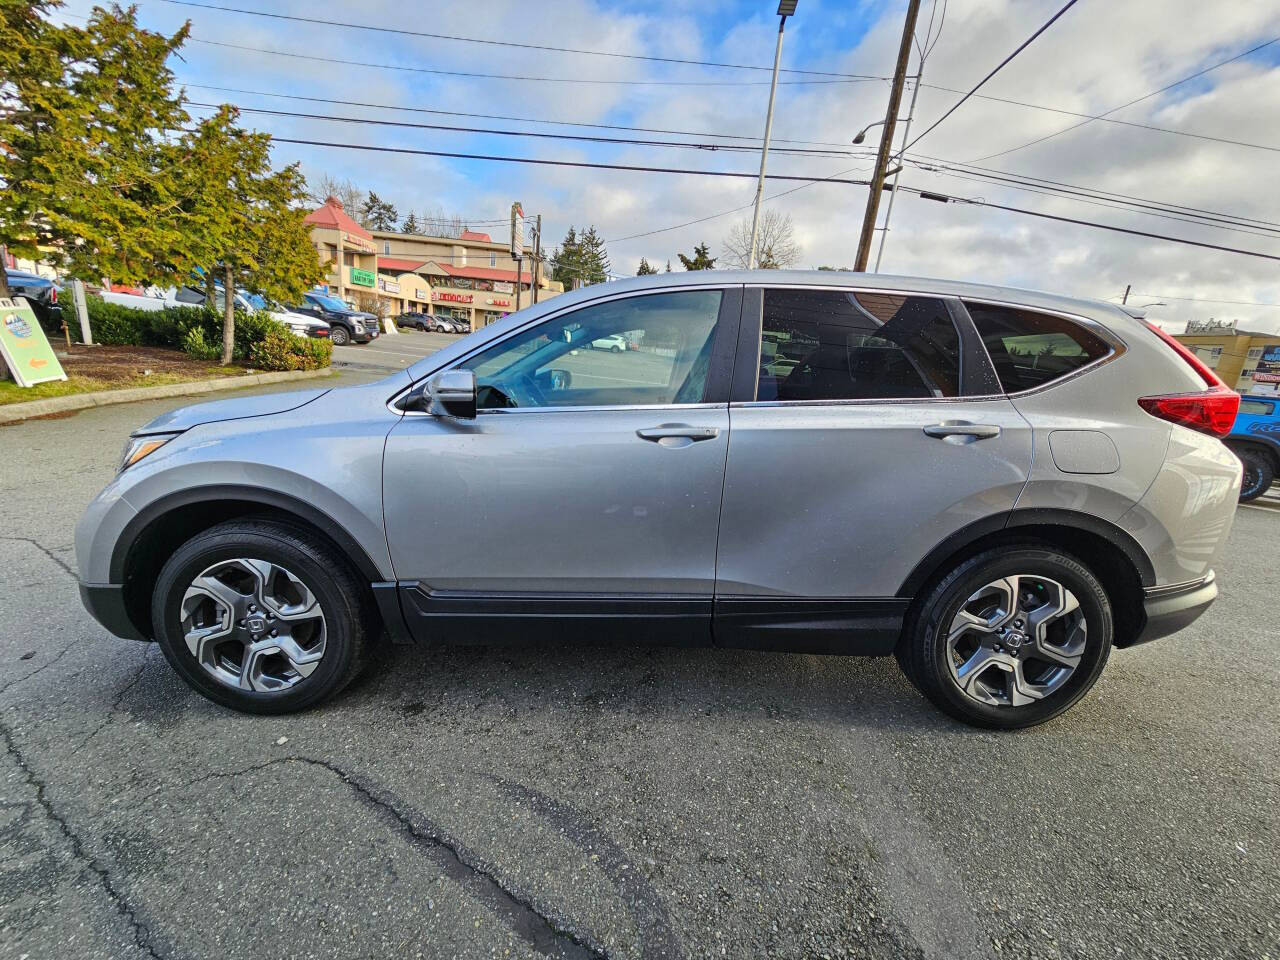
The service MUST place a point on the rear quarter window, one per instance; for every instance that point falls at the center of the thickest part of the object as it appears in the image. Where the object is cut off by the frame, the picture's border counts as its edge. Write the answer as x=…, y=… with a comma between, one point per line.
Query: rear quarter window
x=1030, y=349
x=1257, y=408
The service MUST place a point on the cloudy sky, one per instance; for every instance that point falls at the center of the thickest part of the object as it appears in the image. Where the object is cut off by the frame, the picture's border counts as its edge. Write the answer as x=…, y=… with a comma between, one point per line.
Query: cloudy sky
x=1099, y=55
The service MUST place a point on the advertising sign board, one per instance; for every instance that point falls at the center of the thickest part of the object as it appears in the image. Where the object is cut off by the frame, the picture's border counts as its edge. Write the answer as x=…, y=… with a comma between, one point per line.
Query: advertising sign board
x=24, y=346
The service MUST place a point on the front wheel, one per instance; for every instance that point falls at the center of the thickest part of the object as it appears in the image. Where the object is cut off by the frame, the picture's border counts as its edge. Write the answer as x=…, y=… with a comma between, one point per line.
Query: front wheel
x=260, y=617
x=1010, y=638
x=1258, y=474
x=339, y=336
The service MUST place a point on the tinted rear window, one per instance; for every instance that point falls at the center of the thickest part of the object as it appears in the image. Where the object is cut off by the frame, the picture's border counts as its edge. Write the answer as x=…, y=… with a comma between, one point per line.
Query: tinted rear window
x=1030, y=349
x=1258, y=408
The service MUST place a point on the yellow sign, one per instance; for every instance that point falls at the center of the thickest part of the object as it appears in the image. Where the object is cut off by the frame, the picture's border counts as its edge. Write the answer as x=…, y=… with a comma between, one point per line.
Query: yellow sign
x=24, y=346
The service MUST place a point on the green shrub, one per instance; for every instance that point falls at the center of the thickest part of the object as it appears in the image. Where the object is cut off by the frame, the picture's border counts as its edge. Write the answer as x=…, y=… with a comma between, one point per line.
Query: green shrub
x=260, y=341
x=195, y=346
x=282, y=350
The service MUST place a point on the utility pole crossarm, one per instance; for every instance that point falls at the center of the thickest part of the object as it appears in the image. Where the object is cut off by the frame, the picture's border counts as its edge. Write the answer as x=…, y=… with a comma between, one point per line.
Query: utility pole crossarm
x=886, y=142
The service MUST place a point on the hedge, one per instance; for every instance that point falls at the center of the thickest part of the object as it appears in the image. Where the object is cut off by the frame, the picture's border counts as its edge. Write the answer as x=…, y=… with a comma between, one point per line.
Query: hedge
x=260, y=341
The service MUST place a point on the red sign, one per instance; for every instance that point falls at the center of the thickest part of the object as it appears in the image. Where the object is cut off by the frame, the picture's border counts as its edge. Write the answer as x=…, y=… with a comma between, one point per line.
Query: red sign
x=452, y=297
x=499, y=302
x=1266, y=378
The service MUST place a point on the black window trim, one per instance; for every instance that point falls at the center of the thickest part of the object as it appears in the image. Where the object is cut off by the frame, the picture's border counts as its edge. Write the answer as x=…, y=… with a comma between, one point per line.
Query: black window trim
x=975, y=365
x=1103, y=333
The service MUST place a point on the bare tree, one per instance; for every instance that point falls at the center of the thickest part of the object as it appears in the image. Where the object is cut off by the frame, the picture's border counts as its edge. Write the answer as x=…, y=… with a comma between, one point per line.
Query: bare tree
x=776, y=247
x=349, y=195
x=440, y=223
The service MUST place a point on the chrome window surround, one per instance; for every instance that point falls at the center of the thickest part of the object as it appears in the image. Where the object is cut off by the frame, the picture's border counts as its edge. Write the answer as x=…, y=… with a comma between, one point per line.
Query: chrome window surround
x=1118, y=347
x=401, y=394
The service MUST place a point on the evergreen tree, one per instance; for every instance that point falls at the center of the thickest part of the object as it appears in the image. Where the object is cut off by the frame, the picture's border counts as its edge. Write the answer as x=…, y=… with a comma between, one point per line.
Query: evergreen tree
x=701, y=259
x=410, y=224
x=84, y=170
x=566, y=260
x=594, y=257
x=668, y=265
x=645, y=270
x=377, y=214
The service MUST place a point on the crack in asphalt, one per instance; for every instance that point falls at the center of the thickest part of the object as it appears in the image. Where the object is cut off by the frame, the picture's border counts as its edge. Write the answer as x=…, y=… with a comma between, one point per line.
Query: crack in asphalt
x=524, y=918
x=44, y=666
x=47, y=552
x=140, y=931
x=109, y=716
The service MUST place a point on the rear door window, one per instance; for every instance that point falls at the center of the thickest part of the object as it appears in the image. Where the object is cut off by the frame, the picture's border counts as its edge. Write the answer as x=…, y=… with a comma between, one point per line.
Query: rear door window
x=847, y=345
x=1257, y=408
x=1030, y=349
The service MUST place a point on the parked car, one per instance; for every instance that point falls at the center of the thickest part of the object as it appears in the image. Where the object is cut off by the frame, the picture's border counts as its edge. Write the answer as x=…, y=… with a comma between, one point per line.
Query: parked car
x=994, y=485
x=157, y=298
x=299, y=324
x=41, y=293
x=1255, y=439
x=614, y=343
x=345, y=325
x=424, y=321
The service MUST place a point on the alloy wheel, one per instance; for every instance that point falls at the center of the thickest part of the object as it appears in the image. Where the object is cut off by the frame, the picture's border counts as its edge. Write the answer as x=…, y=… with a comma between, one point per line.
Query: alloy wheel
x=1016, y=640
x=253, y=625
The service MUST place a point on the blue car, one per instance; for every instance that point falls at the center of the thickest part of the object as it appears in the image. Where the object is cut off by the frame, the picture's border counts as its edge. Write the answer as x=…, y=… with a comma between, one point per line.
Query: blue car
x=1255, y=439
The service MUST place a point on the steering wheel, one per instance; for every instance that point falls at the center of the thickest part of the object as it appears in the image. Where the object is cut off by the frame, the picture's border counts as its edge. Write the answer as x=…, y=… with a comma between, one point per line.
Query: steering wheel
x=520, y=391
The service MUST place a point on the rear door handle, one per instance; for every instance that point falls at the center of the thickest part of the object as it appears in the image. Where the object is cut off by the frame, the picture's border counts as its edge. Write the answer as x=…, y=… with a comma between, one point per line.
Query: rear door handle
x=670, y=434
x=961, y=428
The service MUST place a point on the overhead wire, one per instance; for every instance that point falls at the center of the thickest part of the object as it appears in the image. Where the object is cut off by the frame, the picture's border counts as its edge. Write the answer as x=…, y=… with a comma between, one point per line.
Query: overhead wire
x=1148, y=96
x=1000, y=66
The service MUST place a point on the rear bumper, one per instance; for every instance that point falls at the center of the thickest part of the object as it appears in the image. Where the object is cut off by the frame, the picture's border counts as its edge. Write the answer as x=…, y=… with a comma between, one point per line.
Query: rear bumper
x=1167, y=610
x=105, y=603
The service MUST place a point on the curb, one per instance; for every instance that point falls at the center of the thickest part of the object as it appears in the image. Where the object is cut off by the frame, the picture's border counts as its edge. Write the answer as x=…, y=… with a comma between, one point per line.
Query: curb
x=13, y=412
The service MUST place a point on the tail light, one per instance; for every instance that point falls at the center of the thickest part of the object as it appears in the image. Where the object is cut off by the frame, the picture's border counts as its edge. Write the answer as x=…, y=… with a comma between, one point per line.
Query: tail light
x=1212, y=411
x=53, y=294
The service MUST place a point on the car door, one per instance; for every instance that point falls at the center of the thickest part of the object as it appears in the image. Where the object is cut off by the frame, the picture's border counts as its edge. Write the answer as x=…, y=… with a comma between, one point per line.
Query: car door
x=867, y=428
x=585, y=494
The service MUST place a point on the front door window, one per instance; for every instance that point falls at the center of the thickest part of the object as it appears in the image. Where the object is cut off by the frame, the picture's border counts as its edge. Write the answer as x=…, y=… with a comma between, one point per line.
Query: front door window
x=642, y=350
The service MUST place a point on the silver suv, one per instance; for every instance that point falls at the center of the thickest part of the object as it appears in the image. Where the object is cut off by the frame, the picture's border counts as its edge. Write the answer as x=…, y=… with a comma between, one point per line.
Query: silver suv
x=994, y=485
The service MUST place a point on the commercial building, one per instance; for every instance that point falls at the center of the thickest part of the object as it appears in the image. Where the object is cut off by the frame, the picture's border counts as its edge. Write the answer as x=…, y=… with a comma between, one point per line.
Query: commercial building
x=1245, y=360
x=470, y=277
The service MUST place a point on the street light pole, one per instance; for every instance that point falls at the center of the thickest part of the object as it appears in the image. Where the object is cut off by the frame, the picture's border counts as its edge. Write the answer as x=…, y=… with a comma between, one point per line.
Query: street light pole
x=886, y=142
x=785, y=9
x=906, y=135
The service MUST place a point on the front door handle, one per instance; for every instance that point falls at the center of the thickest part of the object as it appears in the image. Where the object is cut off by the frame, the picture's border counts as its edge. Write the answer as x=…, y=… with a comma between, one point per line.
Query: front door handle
x=962, y=428
x=677, y=434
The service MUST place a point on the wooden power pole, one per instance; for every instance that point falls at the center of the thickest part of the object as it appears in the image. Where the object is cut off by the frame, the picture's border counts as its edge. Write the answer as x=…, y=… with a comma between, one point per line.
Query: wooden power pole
x=886, y=142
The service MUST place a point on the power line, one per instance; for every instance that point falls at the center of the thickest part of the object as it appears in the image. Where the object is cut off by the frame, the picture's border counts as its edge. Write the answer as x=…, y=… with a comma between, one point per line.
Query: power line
x=561, y=163
x=923, y=194
x=1239, y=303
x=510, y=43
x=1000, y=66
x=741, y=148
x=1146, y=96
x=498, y=116
x=524, y=79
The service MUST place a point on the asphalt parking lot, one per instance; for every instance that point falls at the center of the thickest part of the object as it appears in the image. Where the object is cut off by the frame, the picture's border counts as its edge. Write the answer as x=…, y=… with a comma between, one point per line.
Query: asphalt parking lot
x=392, y=351
x=616, y=802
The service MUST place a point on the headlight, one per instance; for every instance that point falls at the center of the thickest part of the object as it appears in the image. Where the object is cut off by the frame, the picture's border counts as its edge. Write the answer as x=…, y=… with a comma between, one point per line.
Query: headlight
x=359, y=327
x=137, y=448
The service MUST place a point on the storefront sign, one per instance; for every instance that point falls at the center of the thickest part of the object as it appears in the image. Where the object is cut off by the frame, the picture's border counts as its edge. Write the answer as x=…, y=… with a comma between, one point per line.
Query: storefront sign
x=498, y=302
x=351, y=241
x=421, y=294
x=517, y=231
x=1268, y=370
x=362, y=278
x=500, y=286
x=24, y=346
x=452, y=297
x=390, y=286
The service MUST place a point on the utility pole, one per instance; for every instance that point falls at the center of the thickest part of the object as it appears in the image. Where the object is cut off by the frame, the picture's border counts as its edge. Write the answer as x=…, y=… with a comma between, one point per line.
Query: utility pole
x=897, y=174
x=785, y=9
x=886, y=142
x=537, y=243
x=1127, y=288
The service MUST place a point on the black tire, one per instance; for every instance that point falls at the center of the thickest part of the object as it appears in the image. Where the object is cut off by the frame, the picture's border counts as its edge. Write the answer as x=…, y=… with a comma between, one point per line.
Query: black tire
x=329, y=577
x=1259, y=473
x=338, y=335
x=922, y=651
x=615, y=349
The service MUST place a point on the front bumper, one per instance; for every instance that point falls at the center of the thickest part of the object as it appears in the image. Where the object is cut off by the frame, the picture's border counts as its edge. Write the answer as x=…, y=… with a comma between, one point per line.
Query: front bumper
x=1167, y=610
x=105, y=603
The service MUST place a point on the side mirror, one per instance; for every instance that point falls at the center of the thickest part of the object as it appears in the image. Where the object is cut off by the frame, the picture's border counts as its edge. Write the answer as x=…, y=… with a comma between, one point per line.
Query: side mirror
x=452, y=393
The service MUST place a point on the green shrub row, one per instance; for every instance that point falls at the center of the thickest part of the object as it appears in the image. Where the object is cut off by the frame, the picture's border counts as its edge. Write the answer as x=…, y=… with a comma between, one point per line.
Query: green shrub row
x=260, y=341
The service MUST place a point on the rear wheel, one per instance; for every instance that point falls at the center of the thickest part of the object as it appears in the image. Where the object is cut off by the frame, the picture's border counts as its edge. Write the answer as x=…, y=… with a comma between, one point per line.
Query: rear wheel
x=1258, y=474
x=1010, y=638
x=260, y=616
x=339, y=336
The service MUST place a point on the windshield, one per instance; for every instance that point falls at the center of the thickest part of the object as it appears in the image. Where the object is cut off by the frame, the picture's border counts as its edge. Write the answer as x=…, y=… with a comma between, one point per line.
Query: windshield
x=329, y=303
x=257, y=301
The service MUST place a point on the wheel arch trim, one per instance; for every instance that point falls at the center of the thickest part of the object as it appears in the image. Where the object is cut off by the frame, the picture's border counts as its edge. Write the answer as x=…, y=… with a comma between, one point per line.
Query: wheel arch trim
x=1028, y=517
x=191, y=496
